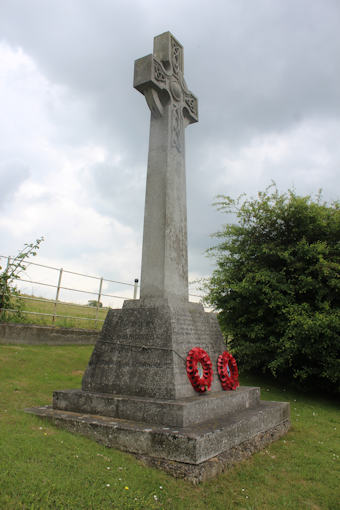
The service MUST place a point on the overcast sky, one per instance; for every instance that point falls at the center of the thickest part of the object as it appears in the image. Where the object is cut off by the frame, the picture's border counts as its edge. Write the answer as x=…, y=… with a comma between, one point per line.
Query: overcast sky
x=74, y=132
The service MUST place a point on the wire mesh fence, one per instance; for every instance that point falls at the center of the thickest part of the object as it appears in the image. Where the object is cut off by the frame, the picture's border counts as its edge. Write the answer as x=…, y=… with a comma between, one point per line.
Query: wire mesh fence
x=60, y=297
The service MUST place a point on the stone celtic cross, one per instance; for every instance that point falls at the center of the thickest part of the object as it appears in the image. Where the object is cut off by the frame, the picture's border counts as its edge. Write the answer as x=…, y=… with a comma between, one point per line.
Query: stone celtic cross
x=159, y=77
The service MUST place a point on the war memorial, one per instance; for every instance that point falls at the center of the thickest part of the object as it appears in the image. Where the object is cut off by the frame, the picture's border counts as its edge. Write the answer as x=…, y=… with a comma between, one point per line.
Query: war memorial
x=154, y=385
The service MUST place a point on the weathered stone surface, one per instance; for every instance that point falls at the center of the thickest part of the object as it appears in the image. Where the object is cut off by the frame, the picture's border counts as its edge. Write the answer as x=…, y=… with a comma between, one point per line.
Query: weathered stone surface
x=197, y=473
x=192, y=444
x=176, y=413
x=142, y=351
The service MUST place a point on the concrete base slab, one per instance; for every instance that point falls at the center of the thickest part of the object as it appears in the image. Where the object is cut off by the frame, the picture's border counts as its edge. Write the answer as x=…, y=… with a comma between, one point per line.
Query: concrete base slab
x=197, y=473
x=31, y=334
x=176, y=413
x=193, y=444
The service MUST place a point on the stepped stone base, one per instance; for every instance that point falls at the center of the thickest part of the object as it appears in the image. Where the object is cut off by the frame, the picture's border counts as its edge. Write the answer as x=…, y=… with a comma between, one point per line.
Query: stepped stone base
x=192, y=444
x=176, y=413
x=197, y=473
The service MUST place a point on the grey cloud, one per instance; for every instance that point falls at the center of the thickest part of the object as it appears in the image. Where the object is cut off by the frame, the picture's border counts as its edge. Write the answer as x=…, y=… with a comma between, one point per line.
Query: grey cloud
x=282, y=66
x=12, y=174
x=117, y=190
x=258, y=68
x=253, y=69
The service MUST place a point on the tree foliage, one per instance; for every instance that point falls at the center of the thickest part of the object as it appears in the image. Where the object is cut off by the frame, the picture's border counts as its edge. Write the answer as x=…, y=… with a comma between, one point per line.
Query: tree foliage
x=95, y=303
x=11, y=273
x=277, y=285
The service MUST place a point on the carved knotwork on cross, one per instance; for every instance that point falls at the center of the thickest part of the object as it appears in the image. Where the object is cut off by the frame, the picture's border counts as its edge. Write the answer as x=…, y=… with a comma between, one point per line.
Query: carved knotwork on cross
x=159, y=77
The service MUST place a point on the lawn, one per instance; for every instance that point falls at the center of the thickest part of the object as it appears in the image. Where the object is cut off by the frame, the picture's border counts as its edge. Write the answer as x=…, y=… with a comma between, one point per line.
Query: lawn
x=79, y=316
x=42, y=467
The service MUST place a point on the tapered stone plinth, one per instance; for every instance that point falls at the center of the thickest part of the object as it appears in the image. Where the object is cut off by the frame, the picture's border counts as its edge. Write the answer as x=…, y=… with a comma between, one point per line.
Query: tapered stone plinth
x=143, y=348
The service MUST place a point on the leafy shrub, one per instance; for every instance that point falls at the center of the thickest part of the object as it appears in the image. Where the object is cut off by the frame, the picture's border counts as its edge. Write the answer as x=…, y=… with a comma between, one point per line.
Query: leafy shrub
x=94, y=303
x=11, y=273
x=277, y=285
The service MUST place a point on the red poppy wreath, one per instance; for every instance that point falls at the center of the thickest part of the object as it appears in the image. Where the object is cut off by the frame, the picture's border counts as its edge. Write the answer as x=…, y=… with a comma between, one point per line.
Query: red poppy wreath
x=199, y=369
x=227, y=370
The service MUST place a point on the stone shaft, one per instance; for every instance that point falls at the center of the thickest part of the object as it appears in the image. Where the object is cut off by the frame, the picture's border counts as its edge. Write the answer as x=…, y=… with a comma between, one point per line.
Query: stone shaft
x=159, y=77
x=164, y=256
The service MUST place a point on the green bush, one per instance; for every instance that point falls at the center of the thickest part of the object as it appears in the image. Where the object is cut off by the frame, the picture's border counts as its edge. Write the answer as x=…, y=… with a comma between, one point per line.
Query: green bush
x=277, y=286
x=9, y=275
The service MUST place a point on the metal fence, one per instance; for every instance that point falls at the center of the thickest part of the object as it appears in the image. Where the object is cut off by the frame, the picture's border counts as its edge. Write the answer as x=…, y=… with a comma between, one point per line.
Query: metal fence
x=54, y=286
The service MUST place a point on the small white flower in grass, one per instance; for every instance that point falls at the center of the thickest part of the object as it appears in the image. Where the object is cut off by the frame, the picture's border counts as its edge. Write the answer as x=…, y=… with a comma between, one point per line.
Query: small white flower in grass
x=40, y=428
x=246, y=497
x=155, y=497
x=107, y=485
x=243, y=490
x=120, y=479
x=314, y=414
x=108, y=467
x=160, y=487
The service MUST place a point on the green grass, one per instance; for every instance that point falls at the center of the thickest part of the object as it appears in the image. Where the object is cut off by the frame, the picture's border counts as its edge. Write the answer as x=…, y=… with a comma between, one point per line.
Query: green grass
x=79, y=313
x=42, y=467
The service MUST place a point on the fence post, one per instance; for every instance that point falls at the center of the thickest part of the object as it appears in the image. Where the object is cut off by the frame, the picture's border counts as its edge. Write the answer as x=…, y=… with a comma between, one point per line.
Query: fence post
x=98, y=299
x=57, y=294
x=135, y=288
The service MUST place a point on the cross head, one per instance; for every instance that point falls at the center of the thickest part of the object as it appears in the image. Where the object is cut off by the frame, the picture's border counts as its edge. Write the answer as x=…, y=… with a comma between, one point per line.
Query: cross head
x=160, y=78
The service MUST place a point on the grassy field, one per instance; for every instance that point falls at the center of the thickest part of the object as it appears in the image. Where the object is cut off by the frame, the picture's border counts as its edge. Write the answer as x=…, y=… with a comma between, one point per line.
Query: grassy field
x=80, y=316
x=42, y=467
